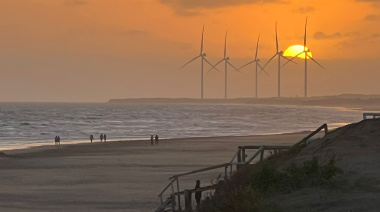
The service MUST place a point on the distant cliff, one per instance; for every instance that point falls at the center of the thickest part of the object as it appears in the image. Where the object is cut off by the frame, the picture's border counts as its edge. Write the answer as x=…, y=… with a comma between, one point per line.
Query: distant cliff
x=366, y=102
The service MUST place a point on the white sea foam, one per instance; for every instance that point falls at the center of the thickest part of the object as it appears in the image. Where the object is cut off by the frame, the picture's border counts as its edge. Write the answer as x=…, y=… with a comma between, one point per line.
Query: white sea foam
x=25, y=123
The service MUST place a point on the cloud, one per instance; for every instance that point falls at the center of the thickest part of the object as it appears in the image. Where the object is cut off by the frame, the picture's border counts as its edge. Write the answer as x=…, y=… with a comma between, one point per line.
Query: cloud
x=321, y=35
x=371, y=17
x=189, y=7
x=304, y=10
x=75, y=2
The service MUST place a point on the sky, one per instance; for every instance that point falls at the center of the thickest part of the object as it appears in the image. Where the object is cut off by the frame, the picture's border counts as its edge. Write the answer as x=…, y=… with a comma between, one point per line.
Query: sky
x=96, y=50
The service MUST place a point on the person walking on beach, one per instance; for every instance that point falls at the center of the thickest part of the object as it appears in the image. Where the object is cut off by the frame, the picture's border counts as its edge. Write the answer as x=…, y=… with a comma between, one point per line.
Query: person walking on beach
x=101, y=137
x=198, y=194
x=151, y=139
x=105, y=137
x=156, y=139
x=59, y=141
x=56, y=140
x=91, y=138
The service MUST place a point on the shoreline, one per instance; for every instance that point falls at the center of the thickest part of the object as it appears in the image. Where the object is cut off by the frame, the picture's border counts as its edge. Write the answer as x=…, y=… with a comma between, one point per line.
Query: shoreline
x=39, y=146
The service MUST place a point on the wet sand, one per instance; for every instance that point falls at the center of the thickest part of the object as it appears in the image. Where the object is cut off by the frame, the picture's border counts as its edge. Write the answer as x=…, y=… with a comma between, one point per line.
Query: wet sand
x=112, y=176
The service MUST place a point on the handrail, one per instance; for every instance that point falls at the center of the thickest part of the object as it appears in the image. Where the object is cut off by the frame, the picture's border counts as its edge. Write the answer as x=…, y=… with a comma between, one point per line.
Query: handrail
x=160, y=195
x=201, y=170
x=255, y=155
x=233, y=158
x=206, y=188
x=265, y=147
x=324, y=126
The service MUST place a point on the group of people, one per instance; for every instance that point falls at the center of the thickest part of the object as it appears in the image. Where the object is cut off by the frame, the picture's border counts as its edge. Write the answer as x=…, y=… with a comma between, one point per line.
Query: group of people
x=103, y=137
x=57, y=140
x=155, y=140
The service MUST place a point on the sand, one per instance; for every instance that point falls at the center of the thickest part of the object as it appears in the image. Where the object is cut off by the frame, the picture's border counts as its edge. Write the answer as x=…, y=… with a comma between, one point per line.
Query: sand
x=356, y=148
x=112, y=176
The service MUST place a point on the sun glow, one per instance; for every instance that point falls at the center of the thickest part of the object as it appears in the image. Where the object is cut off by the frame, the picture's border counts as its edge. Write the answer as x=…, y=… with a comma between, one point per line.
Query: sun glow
x=294, y=50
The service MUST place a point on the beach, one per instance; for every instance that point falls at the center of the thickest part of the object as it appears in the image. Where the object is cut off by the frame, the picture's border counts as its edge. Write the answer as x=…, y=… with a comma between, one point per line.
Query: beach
x=112, y=176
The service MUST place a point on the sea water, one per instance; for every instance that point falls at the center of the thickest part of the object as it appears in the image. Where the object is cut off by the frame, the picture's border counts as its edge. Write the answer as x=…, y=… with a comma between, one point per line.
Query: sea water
x=28, y=123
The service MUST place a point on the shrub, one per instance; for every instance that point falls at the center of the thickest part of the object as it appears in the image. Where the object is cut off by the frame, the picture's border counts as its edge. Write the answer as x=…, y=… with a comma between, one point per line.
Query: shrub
x=246, y=192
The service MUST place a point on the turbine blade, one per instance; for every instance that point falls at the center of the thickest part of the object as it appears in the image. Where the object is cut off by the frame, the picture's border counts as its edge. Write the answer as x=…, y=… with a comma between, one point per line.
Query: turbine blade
x=304, y=41
x=233, y=66
x=257, y=47
x=315, y=61
x=262, y=70
x=225, y=46
x=288, y=59
x=202, y=38
x=190, y=61
x=210, y=63
x=247, y=64
x=291, y=60
x=270, y=60
x=276, y=38
x=214, y=66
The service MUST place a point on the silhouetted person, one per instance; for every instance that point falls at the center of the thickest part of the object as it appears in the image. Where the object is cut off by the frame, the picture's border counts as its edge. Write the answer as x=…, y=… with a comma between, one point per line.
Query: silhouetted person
x=59, y=141
x=151, y=139
x=156, y=139
x=101, y=137
x=56, y=140
x=198, y=194
x=105, y=137
x=91, y=138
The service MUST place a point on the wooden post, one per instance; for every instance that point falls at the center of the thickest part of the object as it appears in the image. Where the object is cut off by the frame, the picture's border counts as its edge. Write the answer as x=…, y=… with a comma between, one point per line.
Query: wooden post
x=173, y=202
x=173, y=196
x=179, y=196
x=230, y=169
x=262, y=155
x=187, y=201
x=243, y=154
x=239, y=155
x=225, y=172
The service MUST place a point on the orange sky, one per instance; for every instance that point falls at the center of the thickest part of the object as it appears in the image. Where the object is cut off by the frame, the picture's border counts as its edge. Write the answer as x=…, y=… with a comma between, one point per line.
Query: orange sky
x=93, y=50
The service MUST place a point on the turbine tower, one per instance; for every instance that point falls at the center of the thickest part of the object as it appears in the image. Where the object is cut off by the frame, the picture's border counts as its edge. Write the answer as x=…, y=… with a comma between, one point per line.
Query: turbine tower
x=256, y=60
x=307, y=56
x=226, y=62
x=203, y=56
x=279, y=54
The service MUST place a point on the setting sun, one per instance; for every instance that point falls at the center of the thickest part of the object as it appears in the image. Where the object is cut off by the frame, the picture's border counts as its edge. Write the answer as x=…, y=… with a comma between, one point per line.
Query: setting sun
x=295, y=50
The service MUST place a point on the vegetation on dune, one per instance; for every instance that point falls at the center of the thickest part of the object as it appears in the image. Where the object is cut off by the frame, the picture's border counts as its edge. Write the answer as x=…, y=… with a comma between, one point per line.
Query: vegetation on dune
x=252, y=184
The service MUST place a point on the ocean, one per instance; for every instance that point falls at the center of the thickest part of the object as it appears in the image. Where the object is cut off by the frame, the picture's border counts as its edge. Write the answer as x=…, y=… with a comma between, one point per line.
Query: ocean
x=38, y=123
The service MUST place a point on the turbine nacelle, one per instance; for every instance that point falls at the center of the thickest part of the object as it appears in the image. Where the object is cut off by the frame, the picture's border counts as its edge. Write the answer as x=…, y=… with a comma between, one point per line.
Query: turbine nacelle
x=204, y=55
x=227, y=58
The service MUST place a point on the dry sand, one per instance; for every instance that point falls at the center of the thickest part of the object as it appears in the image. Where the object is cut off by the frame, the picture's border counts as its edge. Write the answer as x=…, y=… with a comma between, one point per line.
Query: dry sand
x=356, y=148
x=112, y=176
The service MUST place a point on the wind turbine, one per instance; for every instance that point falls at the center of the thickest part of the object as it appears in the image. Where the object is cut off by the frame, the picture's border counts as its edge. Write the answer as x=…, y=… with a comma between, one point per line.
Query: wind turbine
x=307, y=56
x=203, y=56
x=279, y=54
x=256, y=60
x=226, y=62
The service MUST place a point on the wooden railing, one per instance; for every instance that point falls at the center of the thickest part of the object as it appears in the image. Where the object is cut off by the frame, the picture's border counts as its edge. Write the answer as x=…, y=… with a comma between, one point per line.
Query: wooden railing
x=175, y=180
x=242, y=159
x=304, y=140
